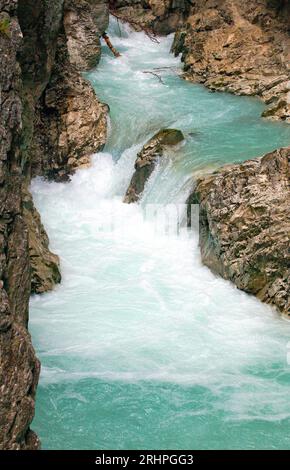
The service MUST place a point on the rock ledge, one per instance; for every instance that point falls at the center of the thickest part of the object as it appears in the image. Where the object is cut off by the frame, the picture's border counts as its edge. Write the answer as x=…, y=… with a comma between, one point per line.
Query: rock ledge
x=245, y=225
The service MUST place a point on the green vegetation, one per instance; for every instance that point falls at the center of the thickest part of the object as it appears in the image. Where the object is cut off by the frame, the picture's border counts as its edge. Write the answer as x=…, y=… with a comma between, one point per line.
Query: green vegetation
x=5, y=26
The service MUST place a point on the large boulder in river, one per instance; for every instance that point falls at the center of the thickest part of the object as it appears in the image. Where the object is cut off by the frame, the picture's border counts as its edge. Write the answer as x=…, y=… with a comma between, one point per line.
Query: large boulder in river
x=147, y=160
x=245, y=225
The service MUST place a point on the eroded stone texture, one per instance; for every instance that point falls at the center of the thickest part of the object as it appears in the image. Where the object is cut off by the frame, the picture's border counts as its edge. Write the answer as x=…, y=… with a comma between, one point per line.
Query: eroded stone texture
x=64, y=123
x=159, y=16
x=50, y=117
x=147, y=159
x=19, y=368
x=240, y=46
x=45, y=265
x=84, y=22
x=245, y=225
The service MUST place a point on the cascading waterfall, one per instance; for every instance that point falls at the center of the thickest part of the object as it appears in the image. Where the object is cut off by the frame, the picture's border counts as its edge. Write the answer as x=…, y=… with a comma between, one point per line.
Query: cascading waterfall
x=142, y=346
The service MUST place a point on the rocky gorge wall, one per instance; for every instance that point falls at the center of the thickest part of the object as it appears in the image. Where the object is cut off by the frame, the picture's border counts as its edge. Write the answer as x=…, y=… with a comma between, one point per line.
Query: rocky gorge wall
x=51, y=122
x=159, y=16
x=242, y=47
x=19, y=368
x=64, y=122
x=239, y=46
x=245, y=225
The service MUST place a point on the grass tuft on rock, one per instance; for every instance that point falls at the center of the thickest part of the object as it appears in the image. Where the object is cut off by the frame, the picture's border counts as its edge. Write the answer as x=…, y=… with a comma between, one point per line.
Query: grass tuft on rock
x=5, y=26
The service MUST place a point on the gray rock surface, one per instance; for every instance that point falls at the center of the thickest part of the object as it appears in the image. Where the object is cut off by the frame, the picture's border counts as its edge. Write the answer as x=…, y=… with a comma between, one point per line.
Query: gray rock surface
x=147, y=159
x=158, y=16
x=44, y=265
x=240, y=46
x=19, y=367
x=63, y=121
x=245, y=225
x=50, y=123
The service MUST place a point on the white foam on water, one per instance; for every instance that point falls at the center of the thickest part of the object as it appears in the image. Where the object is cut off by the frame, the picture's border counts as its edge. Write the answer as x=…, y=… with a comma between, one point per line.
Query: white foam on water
x=136, y=305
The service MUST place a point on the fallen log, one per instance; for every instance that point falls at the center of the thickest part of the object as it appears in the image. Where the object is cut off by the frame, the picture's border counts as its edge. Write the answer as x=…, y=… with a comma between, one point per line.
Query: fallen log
x=110, y=45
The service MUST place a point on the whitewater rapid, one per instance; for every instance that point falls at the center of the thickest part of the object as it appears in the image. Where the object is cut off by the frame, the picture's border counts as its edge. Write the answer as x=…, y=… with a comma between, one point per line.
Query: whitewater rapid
x=141, y=345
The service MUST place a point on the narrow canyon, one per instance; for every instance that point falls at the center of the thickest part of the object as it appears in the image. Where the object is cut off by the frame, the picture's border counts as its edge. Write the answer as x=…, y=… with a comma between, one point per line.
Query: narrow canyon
x=196, y=110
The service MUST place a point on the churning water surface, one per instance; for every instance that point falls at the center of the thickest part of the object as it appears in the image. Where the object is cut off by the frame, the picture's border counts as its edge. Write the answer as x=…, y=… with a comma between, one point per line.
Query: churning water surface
x=141, y=345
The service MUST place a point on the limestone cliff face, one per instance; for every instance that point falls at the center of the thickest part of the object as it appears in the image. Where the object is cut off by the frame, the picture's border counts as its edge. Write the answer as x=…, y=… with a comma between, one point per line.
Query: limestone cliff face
x=44, y=265
x=64, y=121
x=19, y=368
x=159, y=16
x=84, y=21
x=240, y=46
x=50, y=122
x=245, y=225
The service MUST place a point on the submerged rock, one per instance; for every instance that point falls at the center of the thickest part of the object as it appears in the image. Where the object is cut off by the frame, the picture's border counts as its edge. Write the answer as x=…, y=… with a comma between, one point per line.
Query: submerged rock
x=245, y=225
x=147, y=159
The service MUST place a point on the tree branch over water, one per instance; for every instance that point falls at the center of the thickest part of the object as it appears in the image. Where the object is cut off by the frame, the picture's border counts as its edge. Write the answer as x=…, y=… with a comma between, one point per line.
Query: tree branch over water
x=155, y=75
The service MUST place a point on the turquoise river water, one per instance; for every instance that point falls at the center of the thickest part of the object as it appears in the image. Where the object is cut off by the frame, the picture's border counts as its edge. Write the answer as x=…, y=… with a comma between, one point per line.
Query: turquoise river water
x=142, y=347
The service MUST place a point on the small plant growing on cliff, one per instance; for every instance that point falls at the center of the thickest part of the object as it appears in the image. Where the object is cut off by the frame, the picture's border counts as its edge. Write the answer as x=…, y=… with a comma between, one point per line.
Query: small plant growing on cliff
x=5, y=26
